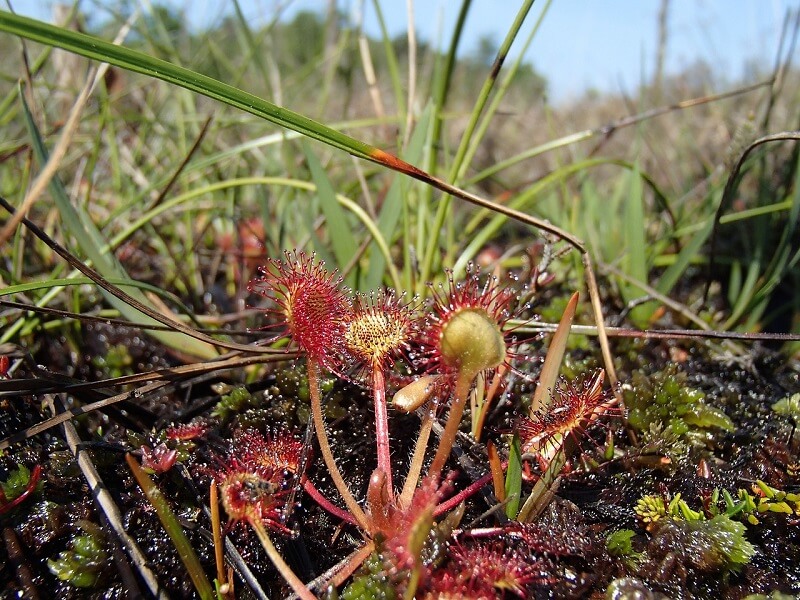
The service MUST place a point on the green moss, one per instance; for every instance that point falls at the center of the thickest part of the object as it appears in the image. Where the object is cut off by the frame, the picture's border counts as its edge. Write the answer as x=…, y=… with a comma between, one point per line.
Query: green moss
x=17, y=483
x=715, y=545
x=665, y=400
x=82, y=565
x=372, y=582
x=619, y=543
x=728, y=544
x=234, y=402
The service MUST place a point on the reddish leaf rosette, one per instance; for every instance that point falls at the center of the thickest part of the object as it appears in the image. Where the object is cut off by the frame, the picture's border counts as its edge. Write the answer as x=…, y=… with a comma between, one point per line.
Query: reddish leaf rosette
x=485, y=570
x=159, y=459
x=185, y=432
x=281, y=452
x=254, y=479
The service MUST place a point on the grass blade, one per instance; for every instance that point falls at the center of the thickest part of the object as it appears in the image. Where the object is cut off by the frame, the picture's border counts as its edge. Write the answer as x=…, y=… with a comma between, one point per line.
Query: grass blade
x=97, y=49
x=542, y=397
x=636, y=255
x=513, y=487
x=173, y=529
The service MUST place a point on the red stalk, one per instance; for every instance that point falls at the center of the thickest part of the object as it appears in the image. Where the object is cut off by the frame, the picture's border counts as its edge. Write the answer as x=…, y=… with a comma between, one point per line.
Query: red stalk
x=382, y=426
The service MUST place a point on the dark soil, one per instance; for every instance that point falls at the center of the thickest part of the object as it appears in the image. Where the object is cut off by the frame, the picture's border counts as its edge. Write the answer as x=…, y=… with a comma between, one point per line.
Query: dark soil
x=565, y=548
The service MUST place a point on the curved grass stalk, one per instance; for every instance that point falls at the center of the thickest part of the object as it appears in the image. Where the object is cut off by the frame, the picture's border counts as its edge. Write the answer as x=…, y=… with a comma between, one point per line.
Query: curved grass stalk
x=97, y=49
x=61, y=283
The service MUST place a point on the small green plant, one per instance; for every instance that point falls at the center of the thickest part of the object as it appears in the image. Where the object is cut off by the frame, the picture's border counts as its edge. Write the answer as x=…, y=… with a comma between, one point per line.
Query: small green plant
x=116, y=362
x=716, y=545
x=745, y=506
x=620, y=543
x=372, y=582
x=651, y=508
x=83, y=564
x=772, y=500
x=21, y=483
x=664, y=398
x=789, y=407
x=234, y=402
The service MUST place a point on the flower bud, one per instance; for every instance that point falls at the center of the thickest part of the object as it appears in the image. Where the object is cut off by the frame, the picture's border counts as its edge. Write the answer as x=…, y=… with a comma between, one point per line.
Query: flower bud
x=416, y=393
x=472, y=341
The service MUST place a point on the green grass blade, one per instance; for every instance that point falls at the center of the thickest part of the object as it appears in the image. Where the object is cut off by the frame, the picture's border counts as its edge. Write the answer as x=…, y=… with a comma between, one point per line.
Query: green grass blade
x=513, y=487
x=391, y=60
x=174, y=530
x=635, y=243
x=479, y=233
x=491, y=111
x=442, y=210
x=97, y=49
x=687, y=254
x=747, y=293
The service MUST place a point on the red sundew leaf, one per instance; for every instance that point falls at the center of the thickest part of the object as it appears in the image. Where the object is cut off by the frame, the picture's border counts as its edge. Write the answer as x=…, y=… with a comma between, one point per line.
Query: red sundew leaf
x=311, y=305
x=574, y=405
x=159, y=459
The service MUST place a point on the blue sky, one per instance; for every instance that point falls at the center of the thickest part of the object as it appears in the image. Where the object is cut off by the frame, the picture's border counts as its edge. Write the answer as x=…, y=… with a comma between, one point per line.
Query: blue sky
x=607, y=45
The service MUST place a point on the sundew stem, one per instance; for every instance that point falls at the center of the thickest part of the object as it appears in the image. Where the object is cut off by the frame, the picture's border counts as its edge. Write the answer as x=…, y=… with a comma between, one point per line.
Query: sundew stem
x=283, y=568
x=325, y=448
x=382, y=426
x=464, y=381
